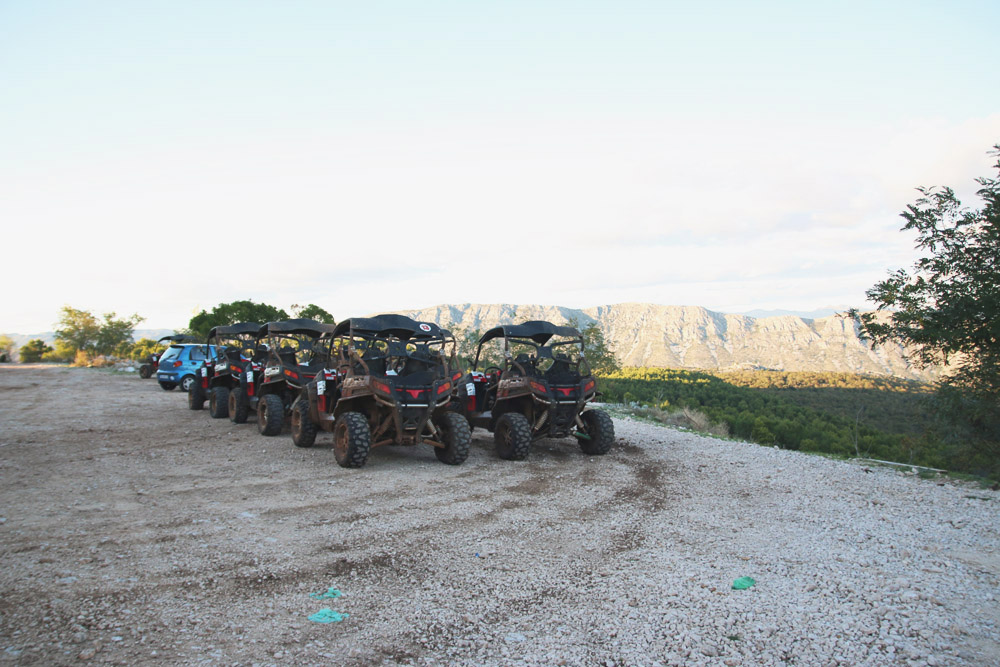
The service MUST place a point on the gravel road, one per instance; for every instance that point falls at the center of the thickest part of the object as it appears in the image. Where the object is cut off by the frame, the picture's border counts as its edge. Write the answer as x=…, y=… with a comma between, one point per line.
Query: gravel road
x=136, y=531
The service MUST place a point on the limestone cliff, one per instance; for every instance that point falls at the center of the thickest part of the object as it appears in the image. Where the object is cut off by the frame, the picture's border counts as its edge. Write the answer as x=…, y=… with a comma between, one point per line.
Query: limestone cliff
x=644, y=334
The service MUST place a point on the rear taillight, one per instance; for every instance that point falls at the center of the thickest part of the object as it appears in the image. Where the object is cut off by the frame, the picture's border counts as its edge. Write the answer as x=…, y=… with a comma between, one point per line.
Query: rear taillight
x=539, y=387
x=443, y=388
x=178, y=364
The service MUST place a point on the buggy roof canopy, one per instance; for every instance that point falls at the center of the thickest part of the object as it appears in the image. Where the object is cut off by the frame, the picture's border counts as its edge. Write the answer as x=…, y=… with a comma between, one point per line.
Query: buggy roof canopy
x=536, y=330
x=296, y=326
x=179, y=338
x=400, y=326
x=238, y=329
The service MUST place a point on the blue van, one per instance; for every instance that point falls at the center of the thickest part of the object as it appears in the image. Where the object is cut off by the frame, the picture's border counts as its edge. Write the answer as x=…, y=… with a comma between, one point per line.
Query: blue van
x=180, y=365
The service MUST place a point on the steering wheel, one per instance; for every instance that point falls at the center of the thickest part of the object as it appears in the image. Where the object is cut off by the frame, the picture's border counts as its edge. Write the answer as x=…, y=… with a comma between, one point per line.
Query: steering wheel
x=487, y=370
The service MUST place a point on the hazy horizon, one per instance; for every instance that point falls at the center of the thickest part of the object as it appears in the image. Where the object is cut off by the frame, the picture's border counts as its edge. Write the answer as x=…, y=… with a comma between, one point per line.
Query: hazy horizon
x=163, y=158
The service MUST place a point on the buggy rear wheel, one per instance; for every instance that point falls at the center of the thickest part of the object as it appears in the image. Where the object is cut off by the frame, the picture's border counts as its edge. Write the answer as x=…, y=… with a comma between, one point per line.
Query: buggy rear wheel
x=196, y=395
x=456, y=436
x=145, y=371
x=512, y=436
x=601, y=430
x=303, y=429
x=270, y=414
x=218, y=402
x=352, y=440
x=239, y=406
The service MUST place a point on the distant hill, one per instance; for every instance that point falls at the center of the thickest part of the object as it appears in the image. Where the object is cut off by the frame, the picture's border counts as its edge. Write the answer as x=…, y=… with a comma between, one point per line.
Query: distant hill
x=49, y=336
x=645, y=334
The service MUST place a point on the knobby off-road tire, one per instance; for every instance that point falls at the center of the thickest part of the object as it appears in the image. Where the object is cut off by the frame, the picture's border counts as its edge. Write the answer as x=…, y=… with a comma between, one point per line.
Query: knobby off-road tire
x=239, y=405
x=196, y=396
x=187, y=382
x=456, y=436
x=352, y=440
x=512, y=436
x=218, y=403
x=270, y=414
x=168, y=386
x=303, y=428
x=145, y=371
x=601, y=430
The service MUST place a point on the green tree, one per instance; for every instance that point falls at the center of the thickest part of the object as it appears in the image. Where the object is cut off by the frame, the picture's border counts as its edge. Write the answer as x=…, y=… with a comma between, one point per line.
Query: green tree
x=144, y=347
x=231, y=313
x=81, y=330
x=7, y=346
x=597, y=350
x=63, y=352
x=78, y=329
x=947, y=309
x=312, y=312
x=115, y=333
x=32, y=351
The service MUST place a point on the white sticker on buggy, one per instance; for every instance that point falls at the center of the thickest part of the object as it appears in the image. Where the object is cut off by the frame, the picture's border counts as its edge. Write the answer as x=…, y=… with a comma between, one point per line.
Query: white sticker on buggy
x=470, y=388
x=204, y=372
x=321, y=387
x=425, y=327
x=250, y=376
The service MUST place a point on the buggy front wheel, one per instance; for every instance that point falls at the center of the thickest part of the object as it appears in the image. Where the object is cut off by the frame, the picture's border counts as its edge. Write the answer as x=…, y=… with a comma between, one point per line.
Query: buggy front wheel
x=456, y=437
x=599, y=431
x=303, y=428
x=239, y=405
x=270, y=414
x=352, y=440
x=512, y=436
x=196, y=395
x=145, y=371
x=218, y=402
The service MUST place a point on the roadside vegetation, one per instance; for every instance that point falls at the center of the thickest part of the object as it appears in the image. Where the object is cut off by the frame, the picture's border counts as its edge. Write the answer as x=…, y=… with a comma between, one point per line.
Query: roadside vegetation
x=836, y=414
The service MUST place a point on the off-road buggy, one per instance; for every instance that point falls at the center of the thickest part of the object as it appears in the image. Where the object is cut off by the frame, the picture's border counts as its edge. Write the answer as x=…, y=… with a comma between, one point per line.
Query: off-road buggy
x=540, y=390
x=148, y=367
x=234, y=345
x=292, y=361
x=390, y=381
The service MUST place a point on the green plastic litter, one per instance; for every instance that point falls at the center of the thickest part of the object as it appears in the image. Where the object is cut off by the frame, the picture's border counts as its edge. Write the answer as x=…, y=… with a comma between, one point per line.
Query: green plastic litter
x=743, y=583
x=327, y=616
x=329, y=593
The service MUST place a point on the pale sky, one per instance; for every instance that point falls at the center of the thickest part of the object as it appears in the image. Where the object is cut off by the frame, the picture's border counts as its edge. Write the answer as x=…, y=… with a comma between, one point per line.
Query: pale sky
x=163, y=157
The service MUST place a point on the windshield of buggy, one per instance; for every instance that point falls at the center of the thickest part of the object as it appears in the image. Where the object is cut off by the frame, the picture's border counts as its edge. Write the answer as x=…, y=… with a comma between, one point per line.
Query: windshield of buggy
x=293, y=348
x=415, y=360
x=560, y=359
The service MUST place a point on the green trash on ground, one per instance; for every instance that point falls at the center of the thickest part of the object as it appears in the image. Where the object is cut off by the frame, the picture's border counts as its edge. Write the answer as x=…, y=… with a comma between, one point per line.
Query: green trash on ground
x=327, y=616
x=743, y=583
x=321, y=595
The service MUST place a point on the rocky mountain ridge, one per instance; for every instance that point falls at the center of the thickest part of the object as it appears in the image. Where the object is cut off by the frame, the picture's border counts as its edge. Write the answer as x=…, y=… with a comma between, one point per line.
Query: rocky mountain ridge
x=645, y=334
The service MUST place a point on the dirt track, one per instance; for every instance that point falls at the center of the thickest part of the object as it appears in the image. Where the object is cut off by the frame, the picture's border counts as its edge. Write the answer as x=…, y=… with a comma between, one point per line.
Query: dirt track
x=134, y=530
